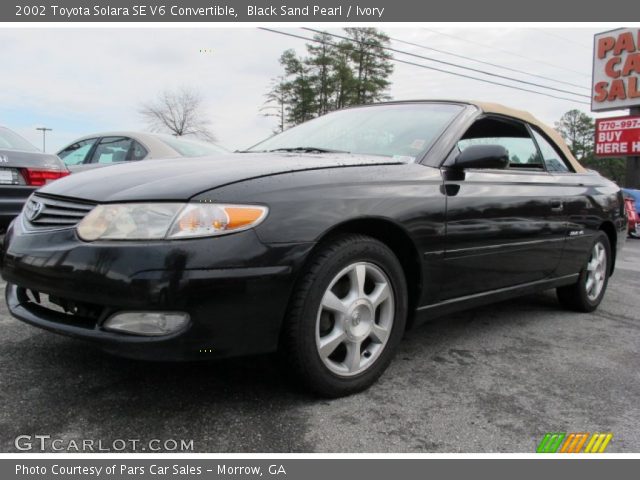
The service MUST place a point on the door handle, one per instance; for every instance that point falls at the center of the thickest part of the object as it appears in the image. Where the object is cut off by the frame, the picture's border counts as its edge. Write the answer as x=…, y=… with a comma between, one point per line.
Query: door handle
x=556, y=205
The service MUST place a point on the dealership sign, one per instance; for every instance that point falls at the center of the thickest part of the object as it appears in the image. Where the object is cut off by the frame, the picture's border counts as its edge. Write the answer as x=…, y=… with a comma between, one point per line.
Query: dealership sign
x=616, y=70
x=618, y=136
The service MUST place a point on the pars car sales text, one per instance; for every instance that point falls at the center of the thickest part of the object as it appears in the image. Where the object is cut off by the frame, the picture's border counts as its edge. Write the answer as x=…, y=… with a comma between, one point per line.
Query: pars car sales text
x=108, y=470
x=164, y=470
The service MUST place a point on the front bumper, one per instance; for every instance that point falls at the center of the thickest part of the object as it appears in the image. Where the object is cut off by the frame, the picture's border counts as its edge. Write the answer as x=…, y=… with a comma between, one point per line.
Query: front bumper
x=234, y=288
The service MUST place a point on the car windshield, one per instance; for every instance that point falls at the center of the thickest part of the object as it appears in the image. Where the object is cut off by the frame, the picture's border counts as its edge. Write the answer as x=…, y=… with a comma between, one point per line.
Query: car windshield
x=191, y=148
x=403, y=131
x=12, y=141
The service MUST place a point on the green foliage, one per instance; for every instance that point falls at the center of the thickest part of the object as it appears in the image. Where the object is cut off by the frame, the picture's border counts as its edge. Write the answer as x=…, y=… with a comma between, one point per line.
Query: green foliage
x=300, y=96
x=371, y=63
x=331, y=76
x=612, y=168
x=578, y=130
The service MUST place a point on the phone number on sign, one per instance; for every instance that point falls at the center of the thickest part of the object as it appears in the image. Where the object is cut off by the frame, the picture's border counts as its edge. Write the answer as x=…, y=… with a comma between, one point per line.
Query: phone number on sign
x=619, y=124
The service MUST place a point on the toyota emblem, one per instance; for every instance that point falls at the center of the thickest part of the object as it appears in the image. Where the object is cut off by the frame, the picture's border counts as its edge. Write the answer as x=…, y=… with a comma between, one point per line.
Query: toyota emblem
x=34, y=210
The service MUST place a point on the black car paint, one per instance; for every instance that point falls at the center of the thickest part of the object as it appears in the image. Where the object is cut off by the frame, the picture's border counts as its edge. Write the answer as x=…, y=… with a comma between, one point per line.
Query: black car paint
x=465, y=238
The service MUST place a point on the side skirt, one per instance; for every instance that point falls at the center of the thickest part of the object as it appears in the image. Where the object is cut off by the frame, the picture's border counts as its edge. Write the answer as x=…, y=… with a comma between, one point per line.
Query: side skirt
x=428, y=312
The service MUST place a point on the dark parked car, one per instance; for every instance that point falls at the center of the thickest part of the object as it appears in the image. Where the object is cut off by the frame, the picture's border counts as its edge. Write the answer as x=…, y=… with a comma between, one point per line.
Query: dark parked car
x=324, y=242
x=23, y=169
x=104, y=149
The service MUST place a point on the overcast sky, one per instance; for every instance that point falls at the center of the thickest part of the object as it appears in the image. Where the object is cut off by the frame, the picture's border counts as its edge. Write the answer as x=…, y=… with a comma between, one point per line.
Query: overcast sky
x=83, y=80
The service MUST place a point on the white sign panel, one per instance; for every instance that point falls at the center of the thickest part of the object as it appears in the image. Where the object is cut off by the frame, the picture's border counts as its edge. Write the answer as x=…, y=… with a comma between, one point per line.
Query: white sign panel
x=616, y=70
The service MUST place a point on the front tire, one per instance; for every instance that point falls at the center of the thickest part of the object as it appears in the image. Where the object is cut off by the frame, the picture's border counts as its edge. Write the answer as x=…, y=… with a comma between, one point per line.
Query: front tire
x=346, y=317
x=587, y=293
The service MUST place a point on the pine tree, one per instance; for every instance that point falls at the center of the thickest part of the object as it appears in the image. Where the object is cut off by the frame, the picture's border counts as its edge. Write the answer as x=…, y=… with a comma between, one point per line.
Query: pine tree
x=331, y=76
x=299, y=91
x=342, y=77
x=577, y=128
x=372, y=64
x=320, y=63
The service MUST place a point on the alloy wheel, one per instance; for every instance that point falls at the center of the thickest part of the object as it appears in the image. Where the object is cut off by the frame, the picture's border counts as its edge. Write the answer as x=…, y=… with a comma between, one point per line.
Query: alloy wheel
x=355, y=319
x=596, y=271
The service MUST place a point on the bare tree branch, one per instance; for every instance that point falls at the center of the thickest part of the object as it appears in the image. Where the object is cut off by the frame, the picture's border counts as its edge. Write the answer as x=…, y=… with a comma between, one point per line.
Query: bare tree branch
x=179, y=112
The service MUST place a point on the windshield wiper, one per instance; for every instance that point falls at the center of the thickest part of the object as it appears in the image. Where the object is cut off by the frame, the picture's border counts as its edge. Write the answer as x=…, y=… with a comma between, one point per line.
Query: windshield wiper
x=307, y=150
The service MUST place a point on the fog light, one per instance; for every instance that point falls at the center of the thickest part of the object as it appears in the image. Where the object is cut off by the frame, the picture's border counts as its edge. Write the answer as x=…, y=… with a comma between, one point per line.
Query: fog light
x=147, y=323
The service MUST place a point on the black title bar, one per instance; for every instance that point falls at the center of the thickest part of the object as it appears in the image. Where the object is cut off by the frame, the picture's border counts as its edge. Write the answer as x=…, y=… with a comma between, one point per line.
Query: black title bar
x=368, y=11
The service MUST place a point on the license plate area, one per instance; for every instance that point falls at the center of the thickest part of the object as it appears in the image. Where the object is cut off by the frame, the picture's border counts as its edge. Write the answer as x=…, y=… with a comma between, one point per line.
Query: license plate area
x=9, y=176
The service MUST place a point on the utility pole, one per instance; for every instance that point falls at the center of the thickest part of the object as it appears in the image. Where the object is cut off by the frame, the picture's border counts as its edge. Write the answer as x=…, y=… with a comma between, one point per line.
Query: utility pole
x=632, y=173
x=44, y=135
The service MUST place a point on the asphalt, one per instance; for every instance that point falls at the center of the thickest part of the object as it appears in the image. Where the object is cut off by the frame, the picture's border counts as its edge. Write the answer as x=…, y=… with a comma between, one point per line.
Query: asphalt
x=494, y=379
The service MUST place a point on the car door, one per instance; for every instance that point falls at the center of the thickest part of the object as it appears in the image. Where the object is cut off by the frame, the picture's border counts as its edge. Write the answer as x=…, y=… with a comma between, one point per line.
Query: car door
x=505, y=227
x=581, y=197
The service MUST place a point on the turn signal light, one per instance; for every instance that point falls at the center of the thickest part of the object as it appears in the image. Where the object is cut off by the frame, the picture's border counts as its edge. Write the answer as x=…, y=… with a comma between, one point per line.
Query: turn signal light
x=38, y=177
x=203, y=219
x=242, y=216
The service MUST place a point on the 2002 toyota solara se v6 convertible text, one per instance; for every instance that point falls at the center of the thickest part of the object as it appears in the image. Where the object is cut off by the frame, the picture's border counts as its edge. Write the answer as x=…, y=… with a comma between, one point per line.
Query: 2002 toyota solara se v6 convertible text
x=324, y=242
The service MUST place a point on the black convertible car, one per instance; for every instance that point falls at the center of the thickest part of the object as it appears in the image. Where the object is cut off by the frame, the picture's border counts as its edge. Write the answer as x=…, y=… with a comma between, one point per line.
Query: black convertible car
x=324, y=242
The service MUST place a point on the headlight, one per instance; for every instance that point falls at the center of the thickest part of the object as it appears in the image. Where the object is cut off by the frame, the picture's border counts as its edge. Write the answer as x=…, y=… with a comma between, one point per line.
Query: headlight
x=157, y=221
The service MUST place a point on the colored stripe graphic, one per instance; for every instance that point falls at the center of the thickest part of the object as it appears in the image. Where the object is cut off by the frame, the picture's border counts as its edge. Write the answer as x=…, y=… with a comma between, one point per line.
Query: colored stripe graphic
x=550, y=443
x=574, y=443
x=567, y=443
x=598, y=443
x=555, y=442
x=543, y=443
x=581, y=443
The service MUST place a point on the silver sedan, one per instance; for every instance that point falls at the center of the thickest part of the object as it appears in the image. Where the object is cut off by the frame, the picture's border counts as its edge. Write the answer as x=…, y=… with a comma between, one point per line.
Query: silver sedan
x=108, y=148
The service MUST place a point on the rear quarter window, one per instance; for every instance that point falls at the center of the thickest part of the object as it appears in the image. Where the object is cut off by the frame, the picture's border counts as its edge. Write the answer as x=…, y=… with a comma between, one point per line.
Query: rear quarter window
x=554, y=161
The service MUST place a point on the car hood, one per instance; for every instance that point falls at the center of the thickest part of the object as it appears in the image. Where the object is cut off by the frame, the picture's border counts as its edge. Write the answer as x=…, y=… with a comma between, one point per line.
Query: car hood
x=181, y=179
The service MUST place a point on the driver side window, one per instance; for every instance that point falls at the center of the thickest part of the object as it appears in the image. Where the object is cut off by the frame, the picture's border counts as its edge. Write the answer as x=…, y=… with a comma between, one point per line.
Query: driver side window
x=513, y=136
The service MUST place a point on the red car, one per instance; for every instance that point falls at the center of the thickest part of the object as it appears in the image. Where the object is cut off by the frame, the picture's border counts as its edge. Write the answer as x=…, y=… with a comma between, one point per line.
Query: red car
x=633, y=216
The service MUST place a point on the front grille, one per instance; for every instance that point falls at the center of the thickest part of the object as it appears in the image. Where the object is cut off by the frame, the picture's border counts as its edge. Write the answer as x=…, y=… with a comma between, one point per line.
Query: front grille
x=48, y=213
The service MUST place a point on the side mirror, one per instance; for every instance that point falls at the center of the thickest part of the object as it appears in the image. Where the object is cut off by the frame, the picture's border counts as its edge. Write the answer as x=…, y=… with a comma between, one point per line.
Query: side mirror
x=483, y=156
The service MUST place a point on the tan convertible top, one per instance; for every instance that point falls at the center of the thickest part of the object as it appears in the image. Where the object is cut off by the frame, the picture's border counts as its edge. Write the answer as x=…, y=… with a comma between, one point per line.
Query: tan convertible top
x=527, y=117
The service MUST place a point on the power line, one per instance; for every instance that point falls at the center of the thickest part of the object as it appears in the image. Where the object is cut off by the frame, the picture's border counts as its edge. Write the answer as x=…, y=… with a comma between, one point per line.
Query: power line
x=451, y=64
x=487, y=63
x=515, y=54
x=428, y=67
x=565, y=39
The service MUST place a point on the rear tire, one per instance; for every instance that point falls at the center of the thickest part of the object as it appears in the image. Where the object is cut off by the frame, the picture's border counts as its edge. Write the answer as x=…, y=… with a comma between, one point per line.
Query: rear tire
x=586, y=294
x=346, y=316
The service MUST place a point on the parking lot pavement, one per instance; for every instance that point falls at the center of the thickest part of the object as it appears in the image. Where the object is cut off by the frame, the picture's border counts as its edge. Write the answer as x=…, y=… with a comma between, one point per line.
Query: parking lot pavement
x=495, y=379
